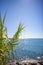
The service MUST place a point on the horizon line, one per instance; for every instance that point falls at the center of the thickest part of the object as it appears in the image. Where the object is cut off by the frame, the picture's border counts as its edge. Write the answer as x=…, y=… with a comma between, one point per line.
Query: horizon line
x=30, y=38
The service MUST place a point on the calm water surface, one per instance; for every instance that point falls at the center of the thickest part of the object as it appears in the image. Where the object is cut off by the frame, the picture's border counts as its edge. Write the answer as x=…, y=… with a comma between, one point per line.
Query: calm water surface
x=29, y=48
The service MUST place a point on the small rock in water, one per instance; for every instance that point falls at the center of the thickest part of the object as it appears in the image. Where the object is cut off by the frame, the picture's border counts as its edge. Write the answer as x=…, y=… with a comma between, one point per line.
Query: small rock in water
x=38, y=57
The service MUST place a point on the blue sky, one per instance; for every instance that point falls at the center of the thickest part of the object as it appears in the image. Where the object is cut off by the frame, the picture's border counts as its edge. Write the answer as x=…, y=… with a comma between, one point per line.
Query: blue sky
x=28, y=12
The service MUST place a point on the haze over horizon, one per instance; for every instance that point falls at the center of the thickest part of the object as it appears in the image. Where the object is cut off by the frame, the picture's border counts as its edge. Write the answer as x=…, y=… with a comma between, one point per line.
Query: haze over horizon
x=28, y=12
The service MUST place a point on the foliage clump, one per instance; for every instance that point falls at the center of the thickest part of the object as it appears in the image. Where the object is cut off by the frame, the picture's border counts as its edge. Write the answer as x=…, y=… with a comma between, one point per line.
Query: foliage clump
x=6, y=44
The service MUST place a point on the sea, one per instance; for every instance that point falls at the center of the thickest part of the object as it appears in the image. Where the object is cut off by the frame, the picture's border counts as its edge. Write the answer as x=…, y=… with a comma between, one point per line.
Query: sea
x=29, y=49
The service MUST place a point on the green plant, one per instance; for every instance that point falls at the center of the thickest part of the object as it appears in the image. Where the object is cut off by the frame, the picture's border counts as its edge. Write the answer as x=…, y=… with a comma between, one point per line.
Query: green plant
x=6, y=44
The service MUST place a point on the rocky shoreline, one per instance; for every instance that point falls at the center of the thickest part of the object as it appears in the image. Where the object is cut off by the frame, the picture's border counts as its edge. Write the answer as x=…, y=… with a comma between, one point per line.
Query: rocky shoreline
x=26, y=62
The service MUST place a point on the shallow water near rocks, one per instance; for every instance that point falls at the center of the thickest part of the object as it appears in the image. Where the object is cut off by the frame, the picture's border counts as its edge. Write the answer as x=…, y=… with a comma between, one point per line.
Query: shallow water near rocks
x=29, y=48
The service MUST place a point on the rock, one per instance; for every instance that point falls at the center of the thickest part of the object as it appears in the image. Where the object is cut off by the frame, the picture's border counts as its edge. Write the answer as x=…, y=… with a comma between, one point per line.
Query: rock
x=38, y=57
x=27, y=62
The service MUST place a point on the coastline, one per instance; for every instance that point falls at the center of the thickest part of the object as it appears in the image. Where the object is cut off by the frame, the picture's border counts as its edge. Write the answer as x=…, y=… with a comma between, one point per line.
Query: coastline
x=26, y=62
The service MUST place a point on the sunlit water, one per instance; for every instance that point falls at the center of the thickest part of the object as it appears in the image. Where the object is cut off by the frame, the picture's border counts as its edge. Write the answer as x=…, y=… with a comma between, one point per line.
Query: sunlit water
x=29, y=48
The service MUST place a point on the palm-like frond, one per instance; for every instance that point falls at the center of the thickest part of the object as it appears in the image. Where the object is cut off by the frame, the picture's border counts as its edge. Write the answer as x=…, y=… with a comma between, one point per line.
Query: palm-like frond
x=4, y=18
x=14, y=40
x=18, y=32
x=7, y=48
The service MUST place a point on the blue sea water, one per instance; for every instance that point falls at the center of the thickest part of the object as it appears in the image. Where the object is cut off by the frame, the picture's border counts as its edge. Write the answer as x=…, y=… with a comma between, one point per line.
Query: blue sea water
x=29, y=48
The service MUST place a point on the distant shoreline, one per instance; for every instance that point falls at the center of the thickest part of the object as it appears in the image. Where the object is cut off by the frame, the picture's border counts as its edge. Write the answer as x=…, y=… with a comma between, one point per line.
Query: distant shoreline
x=30, y=38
